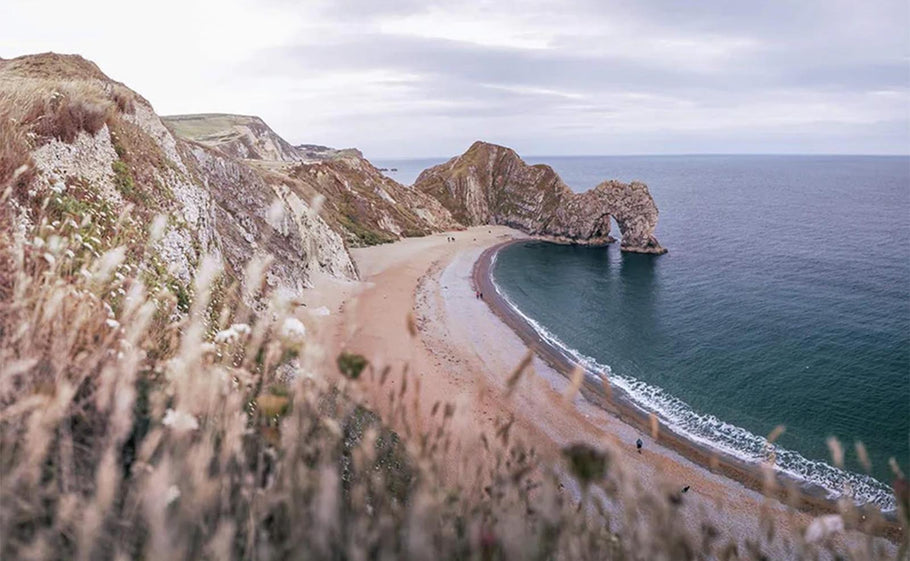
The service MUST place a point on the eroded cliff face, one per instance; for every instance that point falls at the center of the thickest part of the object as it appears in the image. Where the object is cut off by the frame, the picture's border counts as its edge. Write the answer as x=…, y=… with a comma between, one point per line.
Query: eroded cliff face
x=360, y=203
x=243, y=137
x=368, y=207
x=94, y=148
x=491, y=184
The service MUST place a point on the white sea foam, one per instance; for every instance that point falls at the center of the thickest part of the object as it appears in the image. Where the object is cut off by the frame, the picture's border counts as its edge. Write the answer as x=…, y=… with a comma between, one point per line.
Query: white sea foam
x=713, y=432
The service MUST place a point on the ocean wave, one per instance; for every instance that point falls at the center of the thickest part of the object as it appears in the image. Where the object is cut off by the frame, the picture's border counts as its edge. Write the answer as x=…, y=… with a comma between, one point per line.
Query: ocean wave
x=708, y=430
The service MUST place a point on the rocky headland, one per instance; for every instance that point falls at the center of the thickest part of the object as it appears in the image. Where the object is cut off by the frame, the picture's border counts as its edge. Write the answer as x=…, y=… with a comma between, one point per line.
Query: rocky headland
x=491, y=184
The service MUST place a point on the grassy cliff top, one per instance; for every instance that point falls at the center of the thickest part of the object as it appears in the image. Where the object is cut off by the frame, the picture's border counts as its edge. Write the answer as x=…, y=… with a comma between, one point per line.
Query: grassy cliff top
x=202, y=126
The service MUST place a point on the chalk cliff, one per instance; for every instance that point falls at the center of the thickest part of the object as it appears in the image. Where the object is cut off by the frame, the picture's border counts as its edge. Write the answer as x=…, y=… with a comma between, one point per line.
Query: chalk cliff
x=360, y=203
x=92, y=148
x=491, y=184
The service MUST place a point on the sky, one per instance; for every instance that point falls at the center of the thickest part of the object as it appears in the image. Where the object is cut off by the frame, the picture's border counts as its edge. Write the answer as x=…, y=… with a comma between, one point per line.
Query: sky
x=403, y=78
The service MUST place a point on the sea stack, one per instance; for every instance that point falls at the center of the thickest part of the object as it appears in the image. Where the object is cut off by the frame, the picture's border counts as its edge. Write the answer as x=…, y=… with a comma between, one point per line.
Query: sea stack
x=491, y=184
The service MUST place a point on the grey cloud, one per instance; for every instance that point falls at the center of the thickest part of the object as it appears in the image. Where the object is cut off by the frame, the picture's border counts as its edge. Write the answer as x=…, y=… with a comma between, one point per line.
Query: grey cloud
x=829, y=51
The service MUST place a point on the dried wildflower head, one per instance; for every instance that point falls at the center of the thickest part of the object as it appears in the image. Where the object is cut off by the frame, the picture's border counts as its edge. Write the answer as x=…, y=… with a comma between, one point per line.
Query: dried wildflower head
x=837, y=451
x=272, y=405
x=351, y=364
x=575, y=380
x=515, y=375
x=863, y=456
x=586, y=463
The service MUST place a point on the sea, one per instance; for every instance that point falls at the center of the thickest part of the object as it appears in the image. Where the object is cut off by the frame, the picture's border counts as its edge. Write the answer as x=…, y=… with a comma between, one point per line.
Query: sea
x=784, y=300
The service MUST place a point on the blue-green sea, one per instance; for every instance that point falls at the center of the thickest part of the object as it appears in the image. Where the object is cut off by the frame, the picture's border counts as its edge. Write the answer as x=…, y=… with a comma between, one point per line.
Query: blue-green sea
x=784, y=300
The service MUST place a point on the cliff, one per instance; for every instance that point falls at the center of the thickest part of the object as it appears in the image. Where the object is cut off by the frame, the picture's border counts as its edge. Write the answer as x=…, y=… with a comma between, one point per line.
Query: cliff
x=369, y=207
x=360, y=203
x=491, y=184
x=94, y=149
x=238, y=136
x=319, y=153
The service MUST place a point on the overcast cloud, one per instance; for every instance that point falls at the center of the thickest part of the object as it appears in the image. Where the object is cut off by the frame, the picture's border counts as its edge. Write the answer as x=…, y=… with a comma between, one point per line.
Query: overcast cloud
x=407, y=78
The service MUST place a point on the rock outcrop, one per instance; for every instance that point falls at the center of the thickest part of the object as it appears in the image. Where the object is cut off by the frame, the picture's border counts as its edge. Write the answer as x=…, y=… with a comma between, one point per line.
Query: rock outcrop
x=368, y=207
x=94, y=148
x=491, y=184
x=319, y=153
x=238, y=136
x=360, y=203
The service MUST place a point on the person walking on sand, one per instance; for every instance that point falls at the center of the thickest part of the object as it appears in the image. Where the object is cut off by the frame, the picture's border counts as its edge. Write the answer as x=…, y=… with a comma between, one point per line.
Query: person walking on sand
x=638, y=445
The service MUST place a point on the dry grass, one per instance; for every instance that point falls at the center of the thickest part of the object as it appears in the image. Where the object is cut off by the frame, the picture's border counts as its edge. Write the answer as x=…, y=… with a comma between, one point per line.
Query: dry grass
x=50, y=109
x=57, y=96
x=15, y=161
x=129, y=430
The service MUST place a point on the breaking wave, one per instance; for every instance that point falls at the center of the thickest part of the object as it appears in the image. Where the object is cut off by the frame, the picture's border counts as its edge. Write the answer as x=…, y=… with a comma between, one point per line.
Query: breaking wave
x=713, y=432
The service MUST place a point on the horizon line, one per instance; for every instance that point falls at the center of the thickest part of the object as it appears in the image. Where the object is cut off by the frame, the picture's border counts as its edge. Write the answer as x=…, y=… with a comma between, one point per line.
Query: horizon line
x=637, y=155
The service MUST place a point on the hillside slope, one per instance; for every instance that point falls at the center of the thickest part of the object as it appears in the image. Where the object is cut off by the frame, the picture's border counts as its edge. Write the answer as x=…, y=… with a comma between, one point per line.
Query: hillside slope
x=239, y=136
x=491, y=184
x=364, y=206
x=95, y=149
x=368, y=206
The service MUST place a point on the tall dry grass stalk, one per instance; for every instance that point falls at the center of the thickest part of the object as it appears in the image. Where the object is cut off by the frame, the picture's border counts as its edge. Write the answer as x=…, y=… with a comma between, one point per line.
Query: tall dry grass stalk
x=130, y=429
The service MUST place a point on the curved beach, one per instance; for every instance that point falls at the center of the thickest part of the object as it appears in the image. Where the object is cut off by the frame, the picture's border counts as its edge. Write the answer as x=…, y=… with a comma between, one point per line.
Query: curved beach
x=464, y=352
x=615, y=400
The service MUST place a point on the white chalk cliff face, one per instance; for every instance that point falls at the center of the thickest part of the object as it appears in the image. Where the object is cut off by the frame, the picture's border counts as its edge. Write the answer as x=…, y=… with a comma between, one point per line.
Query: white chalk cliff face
x=360, y=203
x=491, y=184
x=95, y=147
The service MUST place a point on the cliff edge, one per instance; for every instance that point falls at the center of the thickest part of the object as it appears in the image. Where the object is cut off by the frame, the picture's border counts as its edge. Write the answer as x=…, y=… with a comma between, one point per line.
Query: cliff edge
x=491, y=184
x=83, y=151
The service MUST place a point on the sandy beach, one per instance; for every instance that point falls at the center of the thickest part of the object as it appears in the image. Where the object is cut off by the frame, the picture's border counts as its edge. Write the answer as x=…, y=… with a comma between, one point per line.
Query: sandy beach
x=463, y=353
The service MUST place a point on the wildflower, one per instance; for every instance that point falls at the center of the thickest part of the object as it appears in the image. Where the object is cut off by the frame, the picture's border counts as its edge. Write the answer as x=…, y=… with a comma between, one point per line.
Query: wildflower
x=272, y=405
x=351, y=365
x=823, y=527
x=293, y=330
x=232, y=333
x=172, y=494
x=180, y=421
x=586, y=463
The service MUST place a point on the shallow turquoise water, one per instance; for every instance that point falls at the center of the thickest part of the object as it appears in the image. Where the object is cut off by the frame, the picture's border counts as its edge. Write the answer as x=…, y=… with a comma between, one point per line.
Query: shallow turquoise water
x=785, y=299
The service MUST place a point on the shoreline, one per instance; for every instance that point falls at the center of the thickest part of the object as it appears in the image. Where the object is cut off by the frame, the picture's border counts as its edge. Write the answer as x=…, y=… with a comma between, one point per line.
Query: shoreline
x=461, y=353
x=803, y=495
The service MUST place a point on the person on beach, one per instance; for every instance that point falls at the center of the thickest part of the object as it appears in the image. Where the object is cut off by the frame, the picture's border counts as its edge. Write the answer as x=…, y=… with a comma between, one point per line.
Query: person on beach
x=638, y=445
